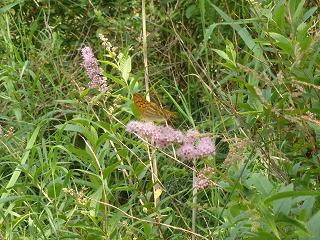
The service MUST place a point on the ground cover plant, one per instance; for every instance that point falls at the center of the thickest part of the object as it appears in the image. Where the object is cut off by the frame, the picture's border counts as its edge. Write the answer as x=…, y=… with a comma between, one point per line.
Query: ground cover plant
x=159, y=120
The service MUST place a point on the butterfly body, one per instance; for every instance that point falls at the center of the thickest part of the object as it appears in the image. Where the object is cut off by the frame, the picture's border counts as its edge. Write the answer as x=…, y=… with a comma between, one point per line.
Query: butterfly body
x=150, y=111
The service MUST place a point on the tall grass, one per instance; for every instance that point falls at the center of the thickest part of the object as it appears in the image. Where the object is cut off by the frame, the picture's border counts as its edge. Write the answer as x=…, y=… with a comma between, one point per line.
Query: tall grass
x=245, y=74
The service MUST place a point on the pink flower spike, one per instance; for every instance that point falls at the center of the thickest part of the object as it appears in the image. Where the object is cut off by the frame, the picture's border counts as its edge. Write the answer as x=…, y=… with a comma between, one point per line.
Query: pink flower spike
x=201, y=183
x=93, y=70
x=187, y=151
x=191, y=136
x=161, y=136
x=203, y=179
x=206, y=147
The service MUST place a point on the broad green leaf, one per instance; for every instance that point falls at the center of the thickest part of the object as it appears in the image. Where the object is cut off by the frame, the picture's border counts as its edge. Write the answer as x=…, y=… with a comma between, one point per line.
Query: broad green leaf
x=293, y=222
x=126, y=69
x=261, y=183
x=291, y=194
x=313, y=226
x=283, y=205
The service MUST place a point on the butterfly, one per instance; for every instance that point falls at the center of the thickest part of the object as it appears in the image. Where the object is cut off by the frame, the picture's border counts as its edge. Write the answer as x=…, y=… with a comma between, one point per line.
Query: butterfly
x=150, y=111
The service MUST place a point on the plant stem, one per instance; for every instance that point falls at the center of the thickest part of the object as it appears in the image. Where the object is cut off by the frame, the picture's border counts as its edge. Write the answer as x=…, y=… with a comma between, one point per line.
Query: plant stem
x=194, y=200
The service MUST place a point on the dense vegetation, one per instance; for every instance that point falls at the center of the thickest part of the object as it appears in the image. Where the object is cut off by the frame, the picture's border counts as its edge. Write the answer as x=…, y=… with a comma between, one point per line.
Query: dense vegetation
x=241, y=159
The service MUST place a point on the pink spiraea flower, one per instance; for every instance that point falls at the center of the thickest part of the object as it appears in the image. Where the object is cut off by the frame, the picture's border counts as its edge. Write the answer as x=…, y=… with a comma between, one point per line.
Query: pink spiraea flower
x=203, y=178
x=161, y=136
x=206, y=147
x=93, y=70
x=195, y=147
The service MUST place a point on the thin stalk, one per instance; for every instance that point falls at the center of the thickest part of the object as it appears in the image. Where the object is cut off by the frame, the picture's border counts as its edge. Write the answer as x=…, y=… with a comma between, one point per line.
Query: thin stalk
x=145, y=48
x=194, y=200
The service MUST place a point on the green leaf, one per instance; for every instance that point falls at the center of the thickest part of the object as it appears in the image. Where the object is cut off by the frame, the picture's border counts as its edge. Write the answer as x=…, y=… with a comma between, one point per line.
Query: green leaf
x=313, y=226
x=261, y=183
x=115, y=79
x=110, y=169
x=284, y=43
x=222, y=54
x=283, y=205
x=268, y=217
x=293, y=222
x=291, y=194
x=126, y=68
x=7, y=7
x=297, y=11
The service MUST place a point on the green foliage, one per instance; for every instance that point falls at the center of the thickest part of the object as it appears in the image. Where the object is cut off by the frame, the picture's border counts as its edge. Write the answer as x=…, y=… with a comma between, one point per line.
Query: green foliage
x=246, y=72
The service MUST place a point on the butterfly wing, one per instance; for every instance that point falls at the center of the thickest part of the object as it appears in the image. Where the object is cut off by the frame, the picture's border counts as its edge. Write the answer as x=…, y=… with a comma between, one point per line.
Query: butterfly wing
x=150, y=111
x=140, y=103
x=155, y=113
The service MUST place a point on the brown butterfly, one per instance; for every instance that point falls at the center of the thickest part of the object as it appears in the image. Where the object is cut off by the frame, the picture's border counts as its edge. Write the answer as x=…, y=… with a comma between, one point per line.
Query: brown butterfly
x=150, y=111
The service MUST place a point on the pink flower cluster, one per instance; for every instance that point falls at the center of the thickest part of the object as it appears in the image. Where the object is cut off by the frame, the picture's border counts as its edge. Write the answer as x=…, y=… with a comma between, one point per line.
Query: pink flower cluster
x=93, y=70
x=161, y=136
x=203, y=179
x=195, y=147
